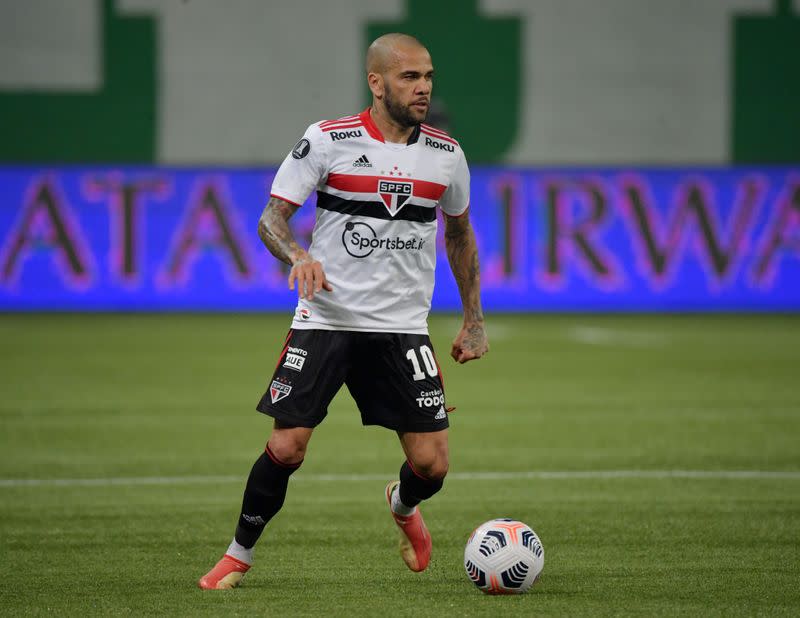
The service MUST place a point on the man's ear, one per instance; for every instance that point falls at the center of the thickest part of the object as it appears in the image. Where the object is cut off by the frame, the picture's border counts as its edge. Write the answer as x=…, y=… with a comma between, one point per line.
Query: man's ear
x=375, y=82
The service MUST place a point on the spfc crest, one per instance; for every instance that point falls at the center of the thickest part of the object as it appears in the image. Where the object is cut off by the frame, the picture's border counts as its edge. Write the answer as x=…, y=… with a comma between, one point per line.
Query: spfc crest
x=279, y=390
x=395, y=193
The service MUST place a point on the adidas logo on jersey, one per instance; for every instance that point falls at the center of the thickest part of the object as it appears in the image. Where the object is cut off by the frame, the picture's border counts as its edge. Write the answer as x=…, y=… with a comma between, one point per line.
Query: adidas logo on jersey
x=362, y=161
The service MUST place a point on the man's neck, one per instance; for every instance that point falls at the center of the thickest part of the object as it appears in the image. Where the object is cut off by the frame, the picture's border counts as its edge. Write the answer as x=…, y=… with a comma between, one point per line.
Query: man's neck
x=392, y=132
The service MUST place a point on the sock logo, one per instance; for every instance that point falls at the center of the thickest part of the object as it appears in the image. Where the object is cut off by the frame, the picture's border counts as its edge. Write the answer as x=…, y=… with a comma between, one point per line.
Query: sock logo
x=279, y=390
x=256, y=520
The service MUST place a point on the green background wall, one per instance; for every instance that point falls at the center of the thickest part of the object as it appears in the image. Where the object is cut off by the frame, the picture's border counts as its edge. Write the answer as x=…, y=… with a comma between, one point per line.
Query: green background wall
x=522, y=82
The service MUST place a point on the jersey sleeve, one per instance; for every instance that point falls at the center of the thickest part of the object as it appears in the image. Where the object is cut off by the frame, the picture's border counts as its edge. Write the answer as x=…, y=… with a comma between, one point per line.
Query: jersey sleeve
x=455, y=199
x=302, y=169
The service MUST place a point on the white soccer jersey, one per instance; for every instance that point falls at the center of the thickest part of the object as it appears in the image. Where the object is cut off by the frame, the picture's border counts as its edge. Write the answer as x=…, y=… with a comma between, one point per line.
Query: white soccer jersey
x=375, y=230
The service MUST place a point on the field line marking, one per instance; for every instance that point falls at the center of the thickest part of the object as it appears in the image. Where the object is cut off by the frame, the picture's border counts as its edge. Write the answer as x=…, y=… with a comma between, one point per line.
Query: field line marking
x=454, y=476
x=595, y=335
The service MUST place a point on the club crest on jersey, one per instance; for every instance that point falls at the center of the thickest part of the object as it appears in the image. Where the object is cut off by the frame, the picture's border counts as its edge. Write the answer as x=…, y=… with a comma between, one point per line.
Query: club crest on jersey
x=395, y=193
x=279, y=390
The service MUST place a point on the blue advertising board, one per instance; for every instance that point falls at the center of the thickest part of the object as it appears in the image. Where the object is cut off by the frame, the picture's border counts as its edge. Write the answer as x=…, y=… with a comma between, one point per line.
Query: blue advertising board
x=142, y=238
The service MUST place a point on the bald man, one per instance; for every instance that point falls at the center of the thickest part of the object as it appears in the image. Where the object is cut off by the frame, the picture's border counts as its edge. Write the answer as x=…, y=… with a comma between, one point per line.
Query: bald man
x=364, y=293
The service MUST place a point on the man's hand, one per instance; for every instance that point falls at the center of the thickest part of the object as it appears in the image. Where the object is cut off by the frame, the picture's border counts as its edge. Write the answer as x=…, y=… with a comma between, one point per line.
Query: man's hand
x=470, y=343
x=309, y=276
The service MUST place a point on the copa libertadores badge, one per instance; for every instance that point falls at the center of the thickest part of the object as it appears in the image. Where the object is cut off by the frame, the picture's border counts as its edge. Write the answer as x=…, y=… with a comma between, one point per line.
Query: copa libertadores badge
x=301, y=148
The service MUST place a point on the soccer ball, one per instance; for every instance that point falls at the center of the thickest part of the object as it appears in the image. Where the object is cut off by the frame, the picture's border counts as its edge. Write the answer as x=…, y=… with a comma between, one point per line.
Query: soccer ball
x=503, y=556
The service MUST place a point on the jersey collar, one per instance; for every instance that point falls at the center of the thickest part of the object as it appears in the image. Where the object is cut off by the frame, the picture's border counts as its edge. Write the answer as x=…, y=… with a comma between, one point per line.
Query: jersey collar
x=375, y=132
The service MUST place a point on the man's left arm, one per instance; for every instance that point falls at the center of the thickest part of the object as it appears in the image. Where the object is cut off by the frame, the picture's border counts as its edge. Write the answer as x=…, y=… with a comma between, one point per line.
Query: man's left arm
x=462, y=253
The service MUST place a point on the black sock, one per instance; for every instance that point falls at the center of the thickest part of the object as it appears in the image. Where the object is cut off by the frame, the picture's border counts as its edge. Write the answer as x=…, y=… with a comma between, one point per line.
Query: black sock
x=415, y=488
x=263, y=496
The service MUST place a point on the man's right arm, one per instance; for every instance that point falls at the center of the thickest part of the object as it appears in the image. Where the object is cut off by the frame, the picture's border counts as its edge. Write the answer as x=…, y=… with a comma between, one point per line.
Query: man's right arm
x=275, y=233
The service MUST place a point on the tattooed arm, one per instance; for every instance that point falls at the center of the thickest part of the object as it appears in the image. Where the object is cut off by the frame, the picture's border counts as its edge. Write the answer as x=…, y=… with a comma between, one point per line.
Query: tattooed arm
x=274, y=231
x=462, y=252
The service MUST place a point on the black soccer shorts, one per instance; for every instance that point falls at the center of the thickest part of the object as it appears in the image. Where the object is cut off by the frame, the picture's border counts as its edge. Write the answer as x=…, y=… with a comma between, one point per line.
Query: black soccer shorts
x=393, y=377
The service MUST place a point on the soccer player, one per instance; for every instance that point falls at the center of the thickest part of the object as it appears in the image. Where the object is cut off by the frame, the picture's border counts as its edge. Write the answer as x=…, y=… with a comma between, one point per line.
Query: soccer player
x=365, y=288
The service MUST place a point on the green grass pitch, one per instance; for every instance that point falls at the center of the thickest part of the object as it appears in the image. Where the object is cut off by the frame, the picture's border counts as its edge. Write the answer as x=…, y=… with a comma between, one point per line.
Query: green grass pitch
x=572, y=424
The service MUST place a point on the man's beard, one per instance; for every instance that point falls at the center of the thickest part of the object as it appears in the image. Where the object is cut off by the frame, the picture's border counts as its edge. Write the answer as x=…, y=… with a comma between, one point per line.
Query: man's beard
x=400, y=113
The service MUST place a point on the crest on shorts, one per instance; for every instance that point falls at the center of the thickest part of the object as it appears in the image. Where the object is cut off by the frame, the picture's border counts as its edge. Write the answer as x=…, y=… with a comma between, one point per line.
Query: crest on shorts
x=278, y=391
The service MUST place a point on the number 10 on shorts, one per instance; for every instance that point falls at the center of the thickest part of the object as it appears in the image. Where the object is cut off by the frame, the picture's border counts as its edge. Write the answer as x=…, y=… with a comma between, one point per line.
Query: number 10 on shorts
x=427, y=359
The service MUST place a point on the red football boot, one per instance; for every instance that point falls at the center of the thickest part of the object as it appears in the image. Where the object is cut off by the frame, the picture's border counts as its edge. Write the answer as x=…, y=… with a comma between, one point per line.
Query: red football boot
x=226, y=574
x=415, y=541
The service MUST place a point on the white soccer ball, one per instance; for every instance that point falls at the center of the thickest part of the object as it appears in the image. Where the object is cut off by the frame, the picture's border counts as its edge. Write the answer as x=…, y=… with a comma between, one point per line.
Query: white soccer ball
x=503, y=556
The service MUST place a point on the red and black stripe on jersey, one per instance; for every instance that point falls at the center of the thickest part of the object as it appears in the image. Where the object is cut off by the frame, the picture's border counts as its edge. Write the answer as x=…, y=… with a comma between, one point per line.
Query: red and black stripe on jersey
x=361, y=184
x=374, y=210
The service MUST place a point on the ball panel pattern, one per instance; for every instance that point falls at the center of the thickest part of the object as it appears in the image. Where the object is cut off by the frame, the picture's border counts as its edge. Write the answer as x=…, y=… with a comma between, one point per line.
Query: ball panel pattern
x=515, y=576
x=475, y=574
x=531, y=541
x=492, y=542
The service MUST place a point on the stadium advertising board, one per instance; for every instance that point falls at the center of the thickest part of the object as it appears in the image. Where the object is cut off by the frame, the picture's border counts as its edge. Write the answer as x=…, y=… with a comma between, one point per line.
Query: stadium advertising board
x=136, y=238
